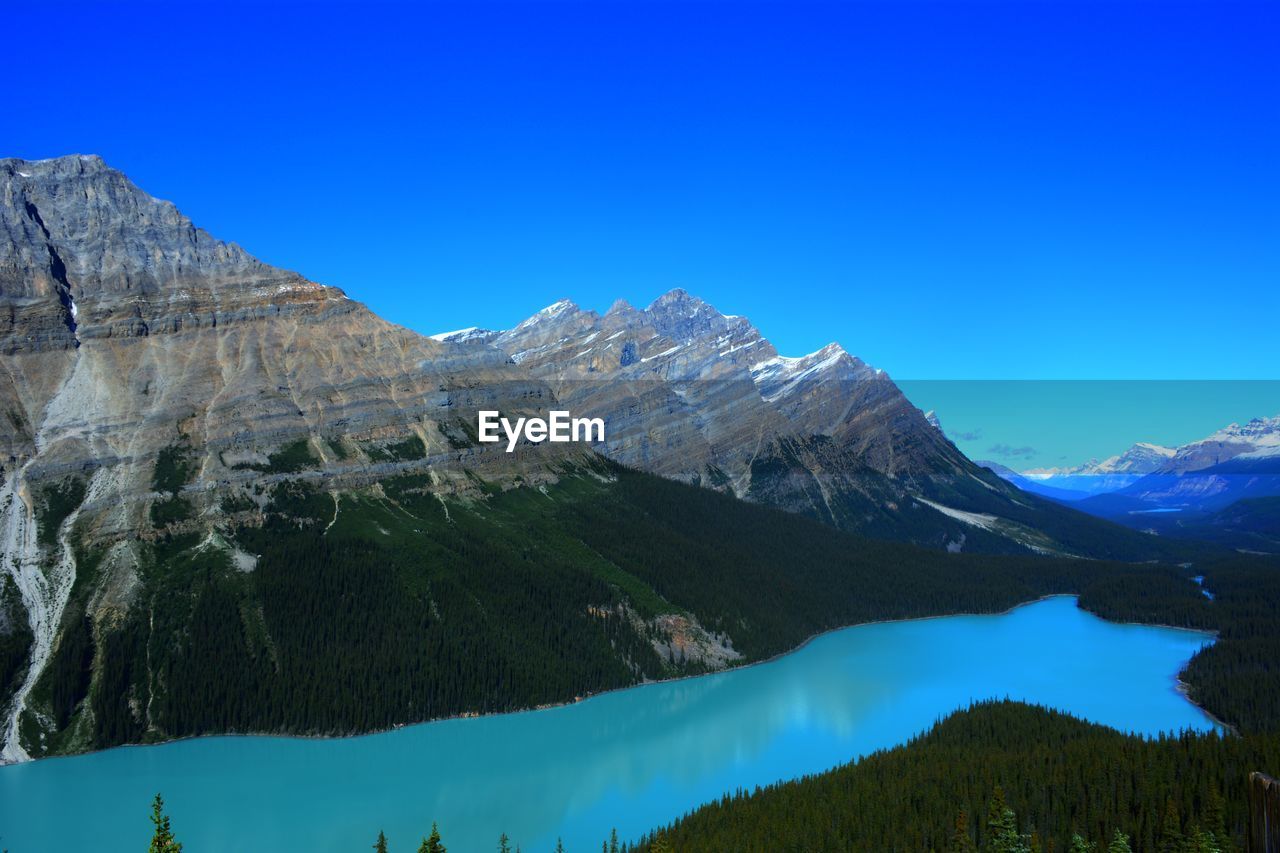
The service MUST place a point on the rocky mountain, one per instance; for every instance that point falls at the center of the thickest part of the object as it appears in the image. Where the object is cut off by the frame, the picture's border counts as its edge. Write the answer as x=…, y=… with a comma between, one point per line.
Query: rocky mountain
x=1108, y=475
x=690, y=393
x=1147, y=484
x=129, y=333
x=1255, y=441
x=1027, y=484
x=225, y=489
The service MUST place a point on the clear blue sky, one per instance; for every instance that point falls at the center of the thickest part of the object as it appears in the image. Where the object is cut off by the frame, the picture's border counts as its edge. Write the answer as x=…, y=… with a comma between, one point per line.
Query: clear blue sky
x=952, y=190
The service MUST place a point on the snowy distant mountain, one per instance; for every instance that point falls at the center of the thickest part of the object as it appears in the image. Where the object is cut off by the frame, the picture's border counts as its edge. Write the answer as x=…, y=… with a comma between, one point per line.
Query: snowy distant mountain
x=1142, y=458
x=1028, y=484
x=1148, y=485
x=1238, y=462
x=1258, y=439
x=1113, y=473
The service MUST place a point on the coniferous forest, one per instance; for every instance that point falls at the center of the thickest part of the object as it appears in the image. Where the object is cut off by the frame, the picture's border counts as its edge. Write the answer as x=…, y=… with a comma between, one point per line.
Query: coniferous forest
x=1000, y=776
x=1061, y=777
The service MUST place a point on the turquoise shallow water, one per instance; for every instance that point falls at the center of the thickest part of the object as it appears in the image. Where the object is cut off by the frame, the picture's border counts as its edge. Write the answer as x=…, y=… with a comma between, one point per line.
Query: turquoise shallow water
x=631, y=759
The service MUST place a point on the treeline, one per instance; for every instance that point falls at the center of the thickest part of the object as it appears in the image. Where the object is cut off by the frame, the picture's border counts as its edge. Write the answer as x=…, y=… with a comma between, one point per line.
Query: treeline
x=394, y=614
x=1238, y=677
x=770, y=579
x=1061, y=777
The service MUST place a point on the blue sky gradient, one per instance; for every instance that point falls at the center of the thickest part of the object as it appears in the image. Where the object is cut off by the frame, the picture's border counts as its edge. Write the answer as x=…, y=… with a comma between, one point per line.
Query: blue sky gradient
x=953, y=190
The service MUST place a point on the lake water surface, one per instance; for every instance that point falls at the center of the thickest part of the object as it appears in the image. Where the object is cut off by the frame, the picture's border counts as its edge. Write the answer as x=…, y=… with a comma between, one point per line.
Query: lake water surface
x=633, y=759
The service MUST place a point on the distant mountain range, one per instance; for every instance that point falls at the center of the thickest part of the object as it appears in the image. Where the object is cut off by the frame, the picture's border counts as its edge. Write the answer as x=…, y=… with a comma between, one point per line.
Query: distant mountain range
x=1186, y=490
x=1107, y=475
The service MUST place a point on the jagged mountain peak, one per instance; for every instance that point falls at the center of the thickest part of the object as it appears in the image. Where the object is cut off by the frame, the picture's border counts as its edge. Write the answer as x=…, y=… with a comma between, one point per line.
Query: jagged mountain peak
x=556, y=312
x=683, y=317
x=1253, y=431
x=620, y=307
x=84, y=253
x=676, y=296
x=104, y=228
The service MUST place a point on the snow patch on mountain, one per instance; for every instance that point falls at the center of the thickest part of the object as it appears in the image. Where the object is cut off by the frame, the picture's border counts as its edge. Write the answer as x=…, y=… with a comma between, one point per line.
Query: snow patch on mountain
x=779, y=376
x=974, y=519
x=458, y=336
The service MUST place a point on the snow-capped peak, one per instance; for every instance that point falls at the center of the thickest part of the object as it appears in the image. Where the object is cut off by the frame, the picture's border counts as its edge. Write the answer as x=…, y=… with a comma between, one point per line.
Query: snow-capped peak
x=556, y=309
x=471, y=333
x=778, y=376
x=1258, y=438
x=1259, y=432
x=1143, y=458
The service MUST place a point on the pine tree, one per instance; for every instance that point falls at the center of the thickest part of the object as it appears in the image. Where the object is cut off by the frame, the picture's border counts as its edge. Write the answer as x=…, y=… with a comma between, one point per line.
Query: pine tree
x=1119, y=843
x=1199, y=841
x=162, y=841
x=1214, y=818
x=660, y=845
x=504, y=844
x=381, y=844
x=559, y=846
x=1170, y=828
x=431, y=844
x=613, y=841
x=1079, y=845
x=961, y=841
x=1002, y=827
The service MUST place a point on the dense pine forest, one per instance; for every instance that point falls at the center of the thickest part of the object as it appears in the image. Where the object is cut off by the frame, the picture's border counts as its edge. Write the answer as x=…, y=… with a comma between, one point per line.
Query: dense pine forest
x=1060, y=778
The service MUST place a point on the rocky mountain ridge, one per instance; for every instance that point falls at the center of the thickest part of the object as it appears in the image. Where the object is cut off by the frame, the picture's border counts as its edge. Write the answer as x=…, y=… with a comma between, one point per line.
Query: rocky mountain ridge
x=1141, y=458
x=1165, y=489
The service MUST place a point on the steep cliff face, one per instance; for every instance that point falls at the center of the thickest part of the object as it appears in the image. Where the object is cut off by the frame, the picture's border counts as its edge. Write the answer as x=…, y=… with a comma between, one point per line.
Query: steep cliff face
x=131, y=337
x=128, y=326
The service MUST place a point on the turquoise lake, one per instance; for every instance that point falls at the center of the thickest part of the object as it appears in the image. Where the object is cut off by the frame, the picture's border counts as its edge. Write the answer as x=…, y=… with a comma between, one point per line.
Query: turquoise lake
x=632, y=759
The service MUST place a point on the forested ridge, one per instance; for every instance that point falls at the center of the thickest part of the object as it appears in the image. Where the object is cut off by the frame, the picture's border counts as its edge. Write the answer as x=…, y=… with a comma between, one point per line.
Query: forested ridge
x=1065, y=785
x=1061, y=776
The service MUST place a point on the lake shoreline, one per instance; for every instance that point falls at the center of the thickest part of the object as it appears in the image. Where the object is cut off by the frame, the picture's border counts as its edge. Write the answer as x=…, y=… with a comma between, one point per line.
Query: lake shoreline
x=1179, y=685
